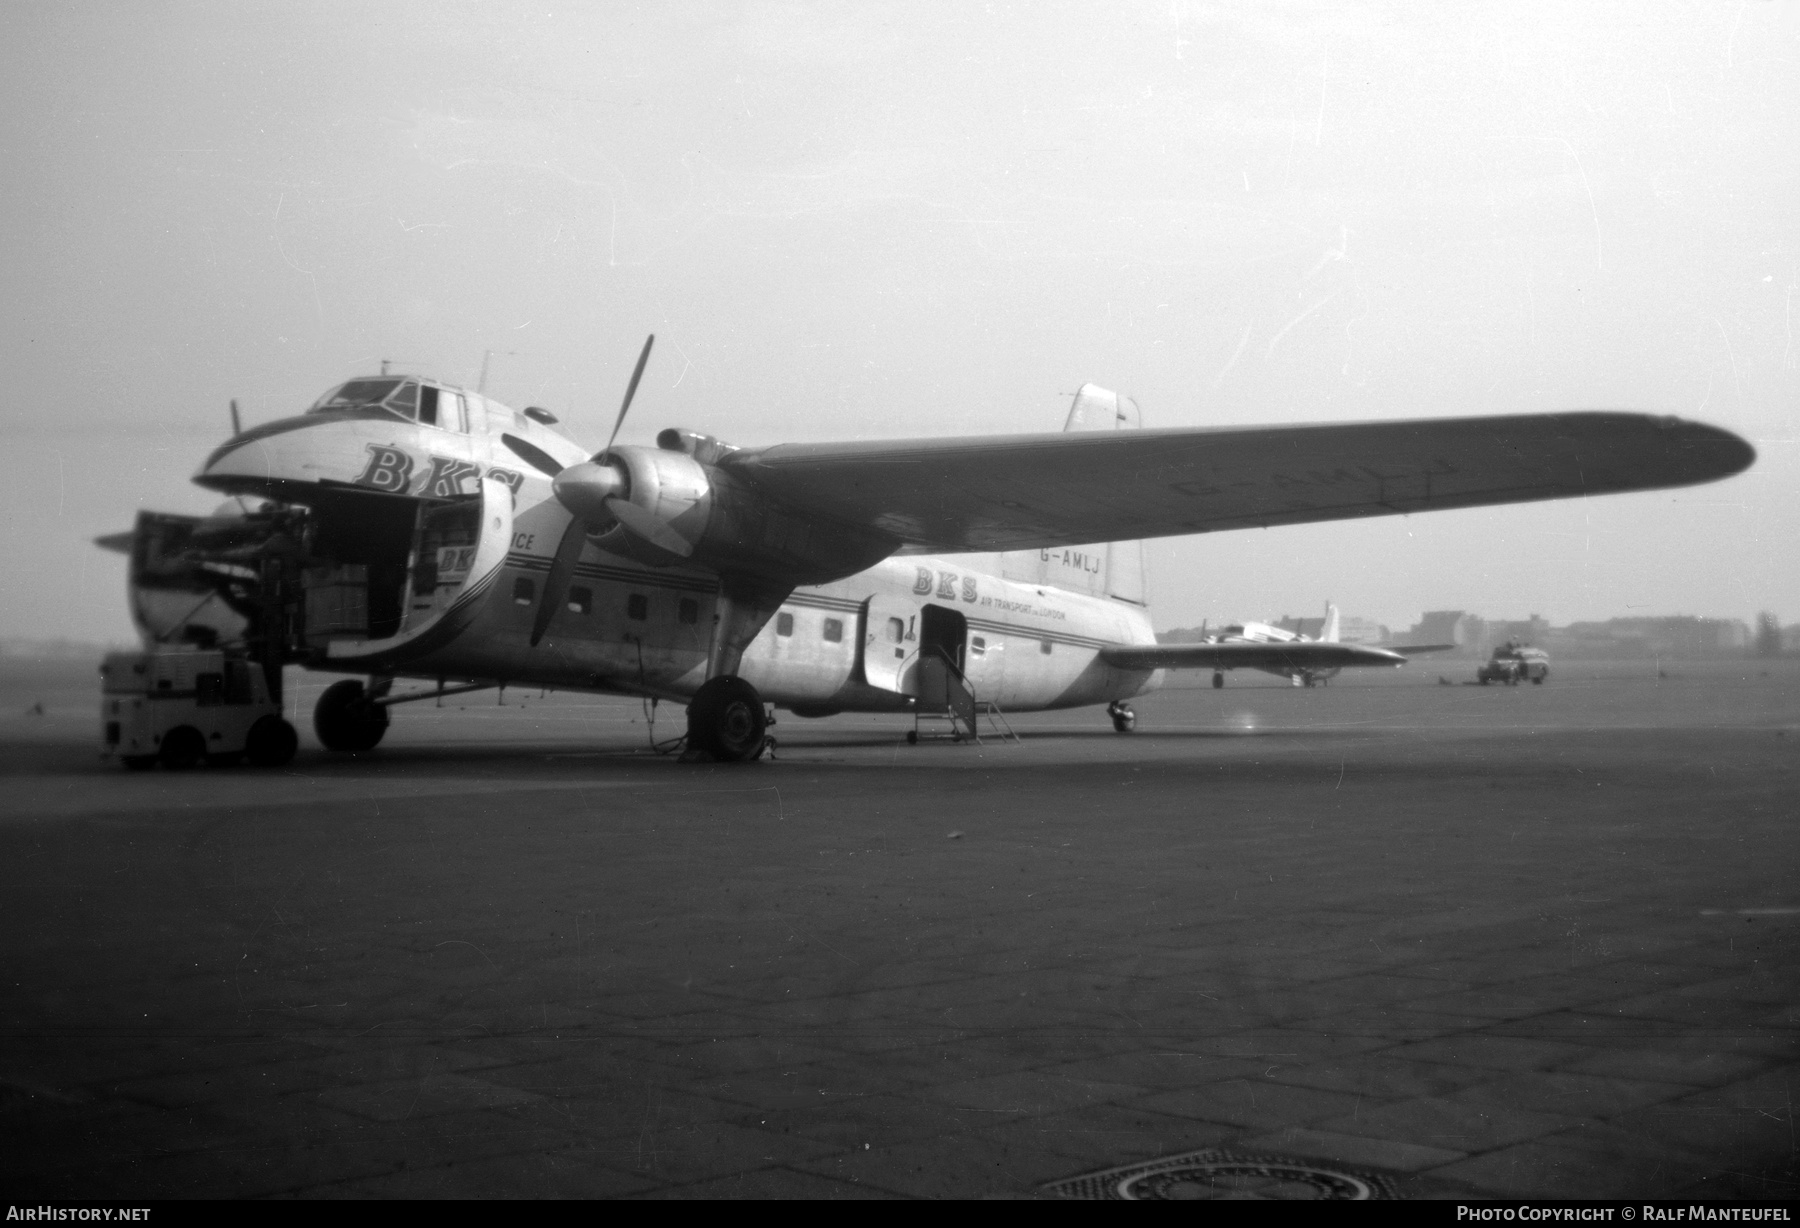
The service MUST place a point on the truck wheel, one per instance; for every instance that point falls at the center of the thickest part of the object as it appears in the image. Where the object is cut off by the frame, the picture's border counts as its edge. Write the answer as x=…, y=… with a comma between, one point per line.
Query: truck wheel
x=271, y=743
x=182, y=748
x=726, y=719
x=345, y=720
x=1537, y=680
x=138, y=763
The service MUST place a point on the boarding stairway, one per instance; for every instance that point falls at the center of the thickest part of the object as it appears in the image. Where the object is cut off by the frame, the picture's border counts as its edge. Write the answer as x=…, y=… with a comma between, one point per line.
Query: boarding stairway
x=946, y=706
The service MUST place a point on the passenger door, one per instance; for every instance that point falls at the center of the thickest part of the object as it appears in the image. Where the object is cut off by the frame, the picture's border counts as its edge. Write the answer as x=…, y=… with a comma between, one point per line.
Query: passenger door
x=890, y=647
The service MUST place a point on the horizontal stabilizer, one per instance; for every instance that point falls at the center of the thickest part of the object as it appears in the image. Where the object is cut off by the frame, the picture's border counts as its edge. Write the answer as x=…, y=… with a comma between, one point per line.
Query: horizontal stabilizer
x=1288, y=655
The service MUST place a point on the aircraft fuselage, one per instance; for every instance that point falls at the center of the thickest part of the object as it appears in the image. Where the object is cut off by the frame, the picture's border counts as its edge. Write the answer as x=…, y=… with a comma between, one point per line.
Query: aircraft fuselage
x=429, y=547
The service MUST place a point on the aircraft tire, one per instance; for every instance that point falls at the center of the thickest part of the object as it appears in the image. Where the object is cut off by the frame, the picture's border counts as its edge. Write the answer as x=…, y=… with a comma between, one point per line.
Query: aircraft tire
x=346, y=721
x=182, y=748
x=1218, y=681
x=912, y=737
x=272, y=742
x=726, y=719
x=1125, y=723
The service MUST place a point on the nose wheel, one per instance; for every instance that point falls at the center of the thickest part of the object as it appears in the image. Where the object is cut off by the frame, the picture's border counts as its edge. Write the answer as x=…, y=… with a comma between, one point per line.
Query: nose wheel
x=347, y=718
x=1123, y=718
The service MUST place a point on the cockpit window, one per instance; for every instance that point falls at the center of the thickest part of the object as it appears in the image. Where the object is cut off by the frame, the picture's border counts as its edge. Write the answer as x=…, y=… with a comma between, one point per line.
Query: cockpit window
x=357, y=394
x=373, y=395
x=405, y=402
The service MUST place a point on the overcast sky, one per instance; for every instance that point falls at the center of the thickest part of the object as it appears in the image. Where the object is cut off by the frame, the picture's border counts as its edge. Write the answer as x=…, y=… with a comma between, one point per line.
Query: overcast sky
x=858, y=221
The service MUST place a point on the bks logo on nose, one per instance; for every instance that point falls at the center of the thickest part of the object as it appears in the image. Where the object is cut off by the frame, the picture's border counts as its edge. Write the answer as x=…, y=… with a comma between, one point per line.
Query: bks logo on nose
x=389, y=470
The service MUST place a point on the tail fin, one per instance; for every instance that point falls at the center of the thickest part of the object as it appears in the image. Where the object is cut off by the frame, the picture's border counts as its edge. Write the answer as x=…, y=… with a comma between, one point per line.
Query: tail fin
x=1112, y=570
x=1328, y=634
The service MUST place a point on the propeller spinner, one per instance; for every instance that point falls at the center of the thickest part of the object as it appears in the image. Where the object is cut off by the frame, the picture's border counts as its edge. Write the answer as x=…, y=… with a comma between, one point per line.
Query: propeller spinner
x=593, y=493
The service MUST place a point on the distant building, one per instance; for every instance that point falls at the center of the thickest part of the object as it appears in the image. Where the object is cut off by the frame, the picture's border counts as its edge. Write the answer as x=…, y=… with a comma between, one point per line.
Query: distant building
x=1468, y=632
x=1681, y=635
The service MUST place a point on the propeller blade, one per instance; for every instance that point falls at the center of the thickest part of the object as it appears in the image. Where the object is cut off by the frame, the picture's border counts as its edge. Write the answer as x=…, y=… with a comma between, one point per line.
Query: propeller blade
x=556, y=584
x=236, y=426
x=533, y=455
x=630, y=391
x=650, y=528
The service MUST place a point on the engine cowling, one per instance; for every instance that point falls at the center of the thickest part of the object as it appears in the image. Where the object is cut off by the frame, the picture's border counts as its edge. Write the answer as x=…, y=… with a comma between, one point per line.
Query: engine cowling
x=705, y=514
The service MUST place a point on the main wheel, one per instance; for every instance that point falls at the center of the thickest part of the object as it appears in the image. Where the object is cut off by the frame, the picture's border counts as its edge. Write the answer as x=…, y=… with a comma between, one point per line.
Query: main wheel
x=1124, y=722
x=181, y=748
x=346, y=720
x=272, y=742
x=726, y=719
x=1218, y=681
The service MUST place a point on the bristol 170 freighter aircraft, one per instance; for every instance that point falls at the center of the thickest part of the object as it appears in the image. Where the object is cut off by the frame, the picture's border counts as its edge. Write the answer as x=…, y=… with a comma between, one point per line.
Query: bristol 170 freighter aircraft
x=415, y=529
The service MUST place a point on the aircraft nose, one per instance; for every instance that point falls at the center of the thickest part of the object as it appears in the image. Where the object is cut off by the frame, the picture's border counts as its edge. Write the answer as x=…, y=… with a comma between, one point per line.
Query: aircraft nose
x=272, y=454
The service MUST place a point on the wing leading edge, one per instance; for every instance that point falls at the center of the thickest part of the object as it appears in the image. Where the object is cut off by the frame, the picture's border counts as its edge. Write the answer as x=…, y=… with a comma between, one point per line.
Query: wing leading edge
x=1013, y=492
x=1297, y=655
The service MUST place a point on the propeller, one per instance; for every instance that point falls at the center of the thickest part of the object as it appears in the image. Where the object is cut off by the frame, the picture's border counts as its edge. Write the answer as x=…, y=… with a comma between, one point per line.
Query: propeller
x=592, y=493
x=236, y=426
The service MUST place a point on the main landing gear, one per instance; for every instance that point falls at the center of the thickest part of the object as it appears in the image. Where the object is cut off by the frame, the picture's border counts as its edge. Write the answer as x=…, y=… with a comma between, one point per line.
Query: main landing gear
x=1218, y=680
x=1123, y=718
x=348, y=719
x=726, y=720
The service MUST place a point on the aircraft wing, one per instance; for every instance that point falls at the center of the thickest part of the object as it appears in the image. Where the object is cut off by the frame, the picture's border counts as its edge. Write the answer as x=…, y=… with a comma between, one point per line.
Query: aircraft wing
x=1293, y=654
x=1012, y=492
x=1414, y=650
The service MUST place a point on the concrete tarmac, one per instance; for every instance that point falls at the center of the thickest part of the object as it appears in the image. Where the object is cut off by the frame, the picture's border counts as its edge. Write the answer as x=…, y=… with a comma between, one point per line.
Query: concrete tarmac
x=1537, y=942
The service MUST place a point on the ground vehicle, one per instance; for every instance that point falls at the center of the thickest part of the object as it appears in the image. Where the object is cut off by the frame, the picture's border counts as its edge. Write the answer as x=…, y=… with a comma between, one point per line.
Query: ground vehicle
x=1514, y=662
x=177, y=705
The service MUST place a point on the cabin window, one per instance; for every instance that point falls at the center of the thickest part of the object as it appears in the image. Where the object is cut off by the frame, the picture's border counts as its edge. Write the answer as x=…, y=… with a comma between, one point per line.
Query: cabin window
x=1044, y=647
x=581, y=600
x=524, y=591
x=428, y=405
x=784, y=624
x=688, y=611
x=895, y=630
x=637, y=607
x=978, y=646
x=834, y=631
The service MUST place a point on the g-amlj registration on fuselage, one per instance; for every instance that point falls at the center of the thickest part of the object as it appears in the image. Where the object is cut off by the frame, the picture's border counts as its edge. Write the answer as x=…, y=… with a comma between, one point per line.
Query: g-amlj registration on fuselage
x=414, y=529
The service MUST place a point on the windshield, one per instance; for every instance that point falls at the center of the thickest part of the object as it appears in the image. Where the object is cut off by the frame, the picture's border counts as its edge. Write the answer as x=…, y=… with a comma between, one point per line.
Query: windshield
x=396, y=395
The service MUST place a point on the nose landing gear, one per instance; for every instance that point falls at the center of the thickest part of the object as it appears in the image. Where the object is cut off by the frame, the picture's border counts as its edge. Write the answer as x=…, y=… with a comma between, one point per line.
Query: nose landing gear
x=1123, y=718
x=347, y=719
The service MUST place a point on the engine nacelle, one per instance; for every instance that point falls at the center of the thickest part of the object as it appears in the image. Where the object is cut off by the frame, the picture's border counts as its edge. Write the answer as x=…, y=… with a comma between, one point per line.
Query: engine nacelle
x=674, y=488
x=729, y=526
